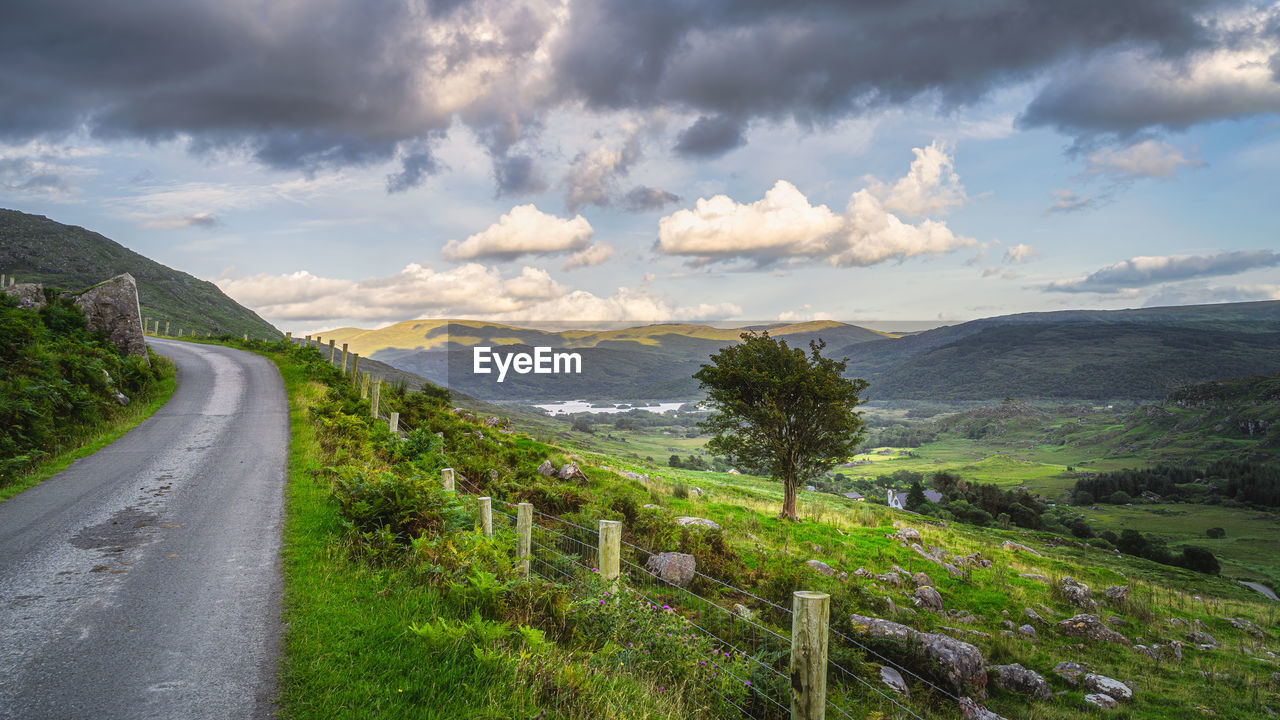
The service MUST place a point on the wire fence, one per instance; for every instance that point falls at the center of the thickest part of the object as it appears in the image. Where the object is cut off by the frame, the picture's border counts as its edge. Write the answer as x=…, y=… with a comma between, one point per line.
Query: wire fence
x=565, y=552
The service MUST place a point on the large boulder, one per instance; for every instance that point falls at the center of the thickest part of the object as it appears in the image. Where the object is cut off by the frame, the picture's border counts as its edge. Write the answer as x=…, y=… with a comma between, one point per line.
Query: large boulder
x=546, y=469
x=1070, y=671
x=112, y=307
x=1017, y=679
x=1107, y=686
x=821, y=567
x=970, y=710
x=30, y=296
x=1077, y=593
x=1101, y=700
x=954, y=662
x=1203, y=639
x=920, y=579
x=1091, y=628
x=1117, y=593
x=570, y=471
x=926, y=596
x=894, y=680
x=673, y=567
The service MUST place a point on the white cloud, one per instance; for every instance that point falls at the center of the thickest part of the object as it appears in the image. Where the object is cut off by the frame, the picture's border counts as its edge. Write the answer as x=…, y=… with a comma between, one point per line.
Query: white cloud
x=1066, y=200
x=590, y=256
x=1020, y=253
x=784, y=226
x=593, y=176
x=1149, y=158
x=523, y=231
x=200, y=220
x=1197, y=293
x=930, y=187
x=1138, y=272
x=468, y=291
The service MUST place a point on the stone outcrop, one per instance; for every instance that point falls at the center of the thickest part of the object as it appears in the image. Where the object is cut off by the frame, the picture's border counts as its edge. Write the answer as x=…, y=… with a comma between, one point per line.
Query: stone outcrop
x=30, y=296
x=569, y=471
x=821, y=567
x=1071, y=671
x=970, y=710
x=920, y=580
x=1203, y=639
x=697, y=522
x=546, y=469
x=1017, y=679
x=1101, y=700
x=673, y=567
x=1247, y=626
x=954, y=662
x=926, y=596
x=1117, y=593
x=1077, y=593
x=1091, y=628
x=1107, y=686
x=112, y=307
x=1018, y=547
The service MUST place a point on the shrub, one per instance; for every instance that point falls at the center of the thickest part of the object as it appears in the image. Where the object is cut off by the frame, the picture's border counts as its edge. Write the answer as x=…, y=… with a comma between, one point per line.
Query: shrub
x=1216, y=533
x=1200, y=560
x=385, y=511
x=680, y=490
x=1120, y=497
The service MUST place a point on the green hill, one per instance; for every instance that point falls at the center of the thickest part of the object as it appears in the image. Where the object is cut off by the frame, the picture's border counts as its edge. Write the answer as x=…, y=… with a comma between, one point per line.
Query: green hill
x=36, y=249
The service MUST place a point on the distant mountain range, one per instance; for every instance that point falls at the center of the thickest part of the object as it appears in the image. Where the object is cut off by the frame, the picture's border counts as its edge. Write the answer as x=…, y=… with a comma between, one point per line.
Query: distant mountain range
x=1122, y=355
x=36, y=249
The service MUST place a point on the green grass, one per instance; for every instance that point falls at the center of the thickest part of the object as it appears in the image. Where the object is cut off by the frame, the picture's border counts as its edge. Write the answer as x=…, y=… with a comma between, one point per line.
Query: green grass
x=90, y=439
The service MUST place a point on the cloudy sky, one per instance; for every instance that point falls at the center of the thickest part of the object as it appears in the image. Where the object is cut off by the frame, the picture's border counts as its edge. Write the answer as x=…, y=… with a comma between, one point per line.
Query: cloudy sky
x=332, y=162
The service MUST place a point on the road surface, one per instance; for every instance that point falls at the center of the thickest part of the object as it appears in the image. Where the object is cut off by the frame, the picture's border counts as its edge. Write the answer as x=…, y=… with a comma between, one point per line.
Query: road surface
x=144, y=581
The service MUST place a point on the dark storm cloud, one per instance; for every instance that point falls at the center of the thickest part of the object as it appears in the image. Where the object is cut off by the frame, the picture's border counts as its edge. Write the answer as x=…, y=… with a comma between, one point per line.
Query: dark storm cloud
x=710, y=137
x=341, y=82
x=644, y=199
x=415, y=168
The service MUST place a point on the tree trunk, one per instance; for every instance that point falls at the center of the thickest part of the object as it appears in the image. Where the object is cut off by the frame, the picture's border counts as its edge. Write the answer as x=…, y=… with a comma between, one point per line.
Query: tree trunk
x=789, y=498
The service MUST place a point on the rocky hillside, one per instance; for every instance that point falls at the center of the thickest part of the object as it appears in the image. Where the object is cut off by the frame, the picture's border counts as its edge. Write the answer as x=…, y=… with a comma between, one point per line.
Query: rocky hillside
x=39, y=250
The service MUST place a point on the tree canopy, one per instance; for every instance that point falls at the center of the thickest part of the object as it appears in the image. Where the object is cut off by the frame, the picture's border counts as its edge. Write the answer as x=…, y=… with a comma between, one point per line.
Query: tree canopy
x=780, y=412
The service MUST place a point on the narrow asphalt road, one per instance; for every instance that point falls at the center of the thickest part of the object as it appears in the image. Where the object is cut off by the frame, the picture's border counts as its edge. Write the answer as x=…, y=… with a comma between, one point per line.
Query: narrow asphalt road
x=144, y=581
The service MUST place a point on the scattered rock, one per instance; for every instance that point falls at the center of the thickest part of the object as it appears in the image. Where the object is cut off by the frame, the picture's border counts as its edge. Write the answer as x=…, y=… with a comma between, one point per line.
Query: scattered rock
x=1247, y=626
x=112, y=307
x=30, y=296
x=1077, y=593
x=1118, y=593
x=962, y=616
x=696, y=492
x=571, y=471
x=894, y=680
x=1070, y=671
x=920, y=580
x=1019, y=547
x=1015, y=678
x=697, y=522
x=1036, y=617
x=492, y=421
x=974, y=559
x=955, y=571
x=673, y=567
x=928, y=597
x=1090, y=627
x=821, y=567
x=956, y=663
x=634, y=476
x=1034, y=576
x=893, y=579
x=1106, y=702
x=1027, y=630
x=1107, y=686
x=970, y=710
x=1203, y=639
x=122, y=398
x=907, y=535
x=546, y=469
x=743, y=611
x=1117, y=621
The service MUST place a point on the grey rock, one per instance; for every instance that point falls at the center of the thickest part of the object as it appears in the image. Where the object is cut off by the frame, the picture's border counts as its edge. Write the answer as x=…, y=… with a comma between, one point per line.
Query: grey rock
x=1035, y=616
x=673, y=567
x=821, y=567
x=650, y=506
x=1106, y=702
x=570, y=471
x=1247, y=626
x=1018, y=547
x=955, y=571
x=697, y=522
x=30, y=296
x=962, y=616
x=907, y=535
x=1077, y=593
x=894, y=680
x=893, y=579
x=743, y=611
x=634, y=476
x=546, y=469
x=1203, y=639
x=122, y=398
x=1034, y=576
x=112, y=307
x=1017, y=679
x=928, y=597
x=956, y=663
x=1027, y=630
x=1118, y=593
x=492, y=421
x=970, y=710
x=1090, y=627
x=1071, y=671
x=920, y=580
x=1107, y=686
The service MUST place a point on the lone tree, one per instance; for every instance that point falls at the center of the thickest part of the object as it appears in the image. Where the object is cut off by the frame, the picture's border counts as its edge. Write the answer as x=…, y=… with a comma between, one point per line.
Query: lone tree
x=779, y=412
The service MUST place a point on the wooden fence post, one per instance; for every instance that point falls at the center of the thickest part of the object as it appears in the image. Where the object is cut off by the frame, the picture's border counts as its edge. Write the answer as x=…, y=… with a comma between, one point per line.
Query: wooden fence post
x=288, y=337
x=375, y=399
x=524, y=533
x=810, y=615
x=344, y=358
x=394, y=424
x=610, y=549
x=447, y=476
x=364, y=386
x=332, y=350
x=355, y=367
x=486, y=516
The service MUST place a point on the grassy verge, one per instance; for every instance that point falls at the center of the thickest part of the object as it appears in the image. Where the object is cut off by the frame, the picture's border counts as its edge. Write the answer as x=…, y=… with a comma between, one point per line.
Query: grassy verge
x=92, y=438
